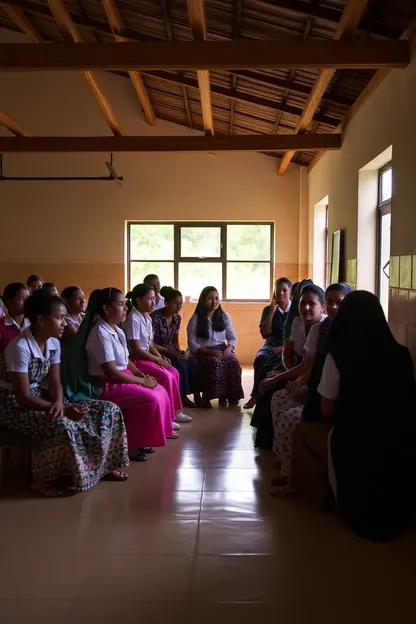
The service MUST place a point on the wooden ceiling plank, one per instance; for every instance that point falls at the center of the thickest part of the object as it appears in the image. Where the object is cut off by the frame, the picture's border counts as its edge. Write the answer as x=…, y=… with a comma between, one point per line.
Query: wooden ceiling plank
x=197, y=20
x=351, y=16
x=250, y=142
x=215, y=55
x=378, y=78
x=23, y=22
x=117, y=26
x=67, y=26
x=14, y=126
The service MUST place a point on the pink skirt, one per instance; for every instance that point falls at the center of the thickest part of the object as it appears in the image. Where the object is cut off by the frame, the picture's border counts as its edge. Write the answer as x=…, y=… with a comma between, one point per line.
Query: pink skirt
x=168, y=378
x=147, y=412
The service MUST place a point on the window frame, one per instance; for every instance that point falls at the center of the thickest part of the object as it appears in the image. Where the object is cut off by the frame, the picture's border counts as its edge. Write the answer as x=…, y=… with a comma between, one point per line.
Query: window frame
x=383, y=208
x=177, y=225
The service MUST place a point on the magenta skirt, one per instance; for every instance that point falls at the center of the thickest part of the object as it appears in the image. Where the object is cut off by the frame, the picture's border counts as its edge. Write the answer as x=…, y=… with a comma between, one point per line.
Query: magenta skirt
x=167, y=378
x=147, y=412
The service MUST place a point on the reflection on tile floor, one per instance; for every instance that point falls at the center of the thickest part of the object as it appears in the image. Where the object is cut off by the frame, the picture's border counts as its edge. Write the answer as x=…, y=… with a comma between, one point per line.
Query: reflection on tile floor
x=195, y=538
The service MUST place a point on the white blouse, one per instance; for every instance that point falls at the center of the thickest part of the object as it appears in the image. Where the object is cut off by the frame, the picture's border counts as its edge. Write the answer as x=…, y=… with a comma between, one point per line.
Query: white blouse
x=105, y=344
x=159, y=304
x=214, y=337
x=139, y=327
x=298, y=336
x=330, y=379
x=10, y=322
x=24, y=348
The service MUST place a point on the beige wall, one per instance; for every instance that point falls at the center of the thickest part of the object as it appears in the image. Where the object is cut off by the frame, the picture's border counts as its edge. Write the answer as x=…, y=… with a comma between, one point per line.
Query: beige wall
x=74, y=232
x=387, y=119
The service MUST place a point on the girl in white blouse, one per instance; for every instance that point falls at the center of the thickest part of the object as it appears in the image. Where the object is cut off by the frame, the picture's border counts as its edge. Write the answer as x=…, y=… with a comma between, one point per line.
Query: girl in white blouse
x=212, y=339
x=143, y=353
x=145, y=405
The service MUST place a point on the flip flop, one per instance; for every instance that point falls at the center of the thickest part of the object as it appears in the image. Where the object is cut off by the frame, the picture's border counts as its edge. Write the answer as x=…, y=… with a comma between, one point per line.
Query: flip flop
x=174, y=436
x=140, y=457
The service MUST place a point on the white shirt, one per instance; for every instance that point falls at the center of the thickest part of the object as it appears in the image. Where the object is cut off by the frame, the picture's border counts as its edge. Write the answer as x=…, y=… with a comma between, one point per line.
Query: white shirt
x=139, y=327
x=330, y=379
x=9, y=321
x=160, y=303
x=298, y=335
x=70, y=319
x=105, y=344
x=24, y=348
x=214, y=338
x=312, y=339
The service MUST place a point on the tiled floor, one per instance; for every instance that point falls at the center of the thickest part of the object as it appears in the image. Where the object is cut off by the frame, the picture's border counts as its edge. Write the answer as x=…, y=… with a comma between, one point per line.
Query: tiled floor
x=195, y=538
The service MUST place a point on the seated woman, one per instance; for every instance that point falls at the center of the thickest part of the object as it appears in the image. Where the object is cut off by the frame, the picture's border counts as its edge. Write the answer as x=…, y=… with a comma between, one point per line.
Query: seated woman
x=14, y=321
x=153, y=281
x=271, y=329
x=144, y=354
x=50, y=289
x=288, y=404
x=108, y=373
x=34, y=282
x=368, y=389
x=166, y=325
x=74, y=300
x=311, y=309
x=212, y=339
x=86, y=442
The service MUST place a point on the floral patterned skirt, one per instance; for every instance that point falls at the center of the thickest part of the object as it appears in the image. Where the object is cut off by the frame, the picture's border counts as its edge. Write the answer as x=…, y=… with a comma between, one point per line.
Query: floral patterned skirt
x=85, y=450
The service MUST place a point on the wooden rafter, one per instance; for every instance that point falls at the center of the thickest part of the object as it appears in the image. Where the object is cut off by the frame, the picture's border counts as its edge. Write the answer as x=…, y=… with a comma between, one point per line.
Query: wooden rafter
x=196, y=14
x=116, y=23
x=169, y=36
x=240, y=96
x=221, y=142
x=23, y=22
x=216, y=55
x=238, y=10
x=14, y=126
x=378, y=78
x=70, y=29
x=348, y=23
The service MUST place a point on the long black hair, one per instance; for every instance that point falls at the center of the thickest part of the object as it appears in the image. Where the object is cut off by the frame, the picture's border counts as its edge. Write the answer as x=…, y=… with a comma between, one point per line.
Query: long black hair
x=69, y=291
x=219, y=320
x=100, y=298
x=139, y=291
x=11, y=290
x=169, y=293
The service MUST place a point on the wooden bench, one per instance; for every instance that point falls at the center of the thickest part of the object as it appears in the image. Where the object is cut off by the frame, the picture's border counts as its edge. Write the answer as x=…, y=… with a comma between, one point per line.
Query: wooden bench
x=11, y=440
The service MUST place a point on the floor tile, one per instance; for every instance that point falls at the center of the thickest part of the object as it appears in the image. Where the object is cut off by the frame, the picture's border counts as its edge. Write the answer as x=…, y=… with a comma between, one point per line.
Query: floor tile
x=139, y=578
x=175, y=537
x=247, y=504
x=34, y=611
x=237, y=458
x=233, y=480
x=233, y=613
x=128, y=613
x=235, y=536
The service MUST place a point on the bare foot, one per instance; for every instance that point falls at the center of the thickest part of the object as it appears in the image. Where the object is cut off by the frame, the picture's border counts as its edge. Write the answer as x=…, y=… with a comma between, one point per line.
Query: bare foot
x=115, y=475
x=50, y=489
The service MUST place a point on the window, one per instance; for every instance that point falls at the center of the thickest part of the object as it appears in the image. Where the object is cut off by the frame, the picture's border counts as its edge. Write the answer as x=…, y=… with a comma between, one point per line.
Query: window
x=385, y=191
x=236, y=258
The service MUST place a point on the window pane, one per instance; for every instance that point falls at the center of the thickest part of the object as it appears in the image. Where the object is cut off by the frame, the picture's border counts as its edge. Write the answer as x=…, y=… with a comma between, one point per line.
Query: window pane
x=194, y=276
x=248, y=242
x=151, y=241
x=384, y=259
x=139, y=270
x=248, y=280
x=200, y=242
x=386, y=185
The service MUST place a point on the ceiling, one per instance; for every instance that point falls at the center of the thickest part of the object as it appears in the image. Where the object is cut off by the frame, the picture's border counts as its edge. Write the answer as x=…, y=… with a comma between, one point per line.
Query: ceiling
x=243, y=102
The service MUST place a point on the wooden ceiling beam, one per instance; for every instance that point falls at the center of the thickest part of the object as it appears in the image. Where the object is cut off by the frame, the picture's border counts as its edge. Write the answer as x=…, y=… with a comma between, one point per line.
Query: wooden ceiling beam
x=207, y=143
x=197, y=20
x=13, y=126
x=22, y=22
x=348, y=23
x=70, y=29
x=216, y=55
x=117, y=26
x=239, y=96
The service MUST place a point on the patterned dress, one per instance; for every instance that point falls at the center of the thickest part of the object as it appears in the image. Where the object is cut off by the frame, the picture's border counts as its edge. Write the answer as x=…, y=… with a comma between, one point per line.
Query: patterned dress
x=85, y=450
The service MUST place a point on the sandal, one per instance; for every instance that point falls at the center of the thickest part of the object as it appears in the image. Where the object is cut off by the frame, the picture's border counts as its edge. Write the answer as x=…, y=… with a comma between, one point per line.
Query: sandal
x=250, y=403
x=149, y=450
x=139, y=457
x=115, y=475
x=174, y=436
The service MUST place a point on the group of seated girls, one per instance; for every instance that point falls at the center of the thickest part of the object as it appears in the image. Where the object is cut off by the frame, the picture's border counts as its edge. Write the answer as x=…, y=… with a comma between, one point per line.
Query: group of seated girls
x=339, y=408
x=96, y=386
